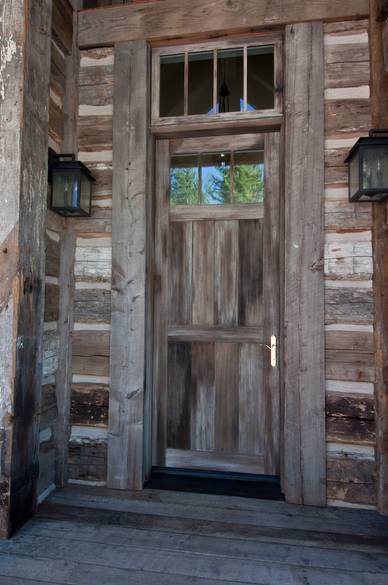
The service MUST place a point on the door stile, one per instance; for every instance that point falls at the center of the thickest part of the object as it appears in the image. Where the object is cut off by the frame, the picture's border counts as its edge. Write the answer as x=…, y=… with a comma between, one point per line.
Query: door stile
x=272, y=299
x=162, y=182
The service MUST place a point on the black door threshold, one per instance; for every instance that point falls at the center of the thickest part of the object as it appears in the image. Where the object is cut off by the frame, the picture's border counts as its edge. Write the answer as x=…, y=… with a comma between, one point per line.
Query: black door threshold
x=264, y=487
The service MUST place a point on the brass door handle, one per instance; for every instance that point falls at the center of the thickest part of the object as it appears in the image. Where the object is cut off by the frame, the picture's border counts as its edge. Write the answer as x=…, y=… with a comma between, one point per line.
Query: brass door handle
x=273, y=348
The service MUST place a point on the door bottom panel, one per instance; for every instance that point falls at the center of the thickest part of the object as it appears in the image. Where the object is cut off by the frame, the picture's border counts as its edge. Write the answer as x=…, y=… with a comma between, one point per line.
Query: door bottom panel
x=215, y=461
x=265, y=487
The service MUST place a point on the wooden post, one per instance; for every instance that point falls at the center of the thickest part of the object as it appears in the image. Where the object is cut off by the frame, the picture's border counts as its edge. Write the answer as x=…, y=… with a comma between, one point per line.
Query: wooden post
x=379, y=103
x=130, y=144
x=24, y=81
x=66, y=277
x=304, y=381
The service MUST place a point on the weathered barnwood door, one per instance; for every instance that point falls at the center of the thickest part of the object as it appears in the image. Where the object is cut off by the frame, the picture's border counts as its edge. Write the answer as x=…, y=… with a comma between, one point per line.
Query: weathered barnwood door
x=216, y=307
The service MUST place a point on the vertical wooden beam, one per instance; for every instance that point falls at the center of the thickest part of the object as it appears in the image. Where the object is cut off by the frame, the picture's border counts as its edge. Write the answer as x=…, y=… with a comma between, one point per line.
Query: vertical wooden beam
x=379, y=103
x=66, y=277
x=304, y=399
x=130, y=145
x=24, y=81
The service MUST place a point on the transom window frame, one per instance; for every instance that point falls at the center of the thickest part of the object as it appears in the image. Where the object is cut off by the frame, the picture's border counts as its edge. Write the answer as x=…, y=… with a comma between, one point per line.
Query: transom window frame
x=252, y=40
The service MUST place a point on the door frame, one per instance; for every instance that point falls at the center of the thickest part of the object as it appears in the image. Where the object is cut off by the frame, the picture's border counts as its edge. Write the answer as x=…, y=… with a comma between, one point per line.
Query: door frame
x=303, y=442
x=272, y=324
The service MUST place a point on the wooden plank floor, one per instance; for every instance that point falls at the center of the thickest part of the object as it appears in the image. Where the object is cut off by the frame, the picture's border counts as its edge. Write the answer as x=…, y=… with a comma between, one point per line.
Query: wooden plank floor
x=95, y=536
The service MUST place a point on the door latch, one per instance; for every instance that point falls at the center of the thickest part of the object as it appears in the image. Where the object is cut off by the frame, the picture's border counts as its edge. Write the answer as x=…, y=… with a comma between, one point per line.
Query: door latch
x=272, y=348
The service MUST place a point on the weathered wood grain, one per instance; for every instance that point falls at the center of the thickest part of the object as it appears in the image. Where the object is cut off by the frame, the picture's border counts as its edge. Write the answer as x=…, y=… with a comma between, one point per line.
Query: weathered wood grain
x=359, y=341
x=350, y=430
x=343, y=116
x=250, y=263
x=350, y=406
x=24, y=83
x=347, y=365
x=203, y=281
x=64, y=372
x=348, y=305
x=379, y=104
x=227, y=371
x=126, y=399
x=56, y=122
x=226, y=272
x=87, y=460
x=58, y=71
x=180, y=273
x=304, y=420
x=92, y=305
x=202, y=399
x=172, y=17
x=89, y=404
x=94, y=133
x=62, y=24
x=178, y=396
x=52, y=257
x=251, y=404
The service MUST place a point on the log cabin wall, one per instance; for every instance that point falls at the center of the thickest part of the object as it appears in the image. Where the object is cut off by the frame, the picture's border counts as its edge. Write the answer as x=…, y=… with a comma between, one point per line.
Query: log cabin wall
x=351, y=474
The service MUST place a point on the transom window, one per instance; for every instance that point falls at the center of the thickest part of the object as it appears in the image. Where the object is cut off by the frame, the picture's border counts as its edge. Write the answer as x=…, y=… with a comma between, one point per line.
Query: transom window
x=217, y=80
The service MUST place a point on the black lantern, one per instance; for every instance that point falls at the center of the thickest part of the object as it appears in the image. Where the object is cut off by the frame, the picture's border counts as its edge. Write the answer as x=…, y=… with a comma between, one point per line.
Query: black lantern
x=71, y=185
x=368, y=167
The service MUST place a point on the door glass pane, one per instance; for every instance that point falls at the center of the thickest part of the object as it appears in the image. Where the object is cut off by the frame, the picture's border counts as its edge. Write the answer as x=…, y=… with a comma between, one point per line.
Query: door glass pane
x=248, y=177
x=184, y=180
x=215, y=173
x=200, y=99
x=260, y=81
x=172, y=75
x=230, y=74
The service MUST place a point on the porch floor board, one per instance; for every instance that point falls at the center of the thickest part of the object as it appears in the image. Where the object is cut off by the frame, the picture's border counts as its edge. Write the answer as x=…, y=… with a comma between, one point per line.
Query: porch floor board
x=95, y=536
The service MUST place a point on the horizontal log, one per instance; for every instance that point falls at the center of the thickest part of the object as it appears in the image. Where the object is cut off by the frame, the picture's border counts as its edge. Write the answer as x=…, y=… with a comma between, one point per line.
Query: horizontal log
x=89, y=404
x=359, y=341
x=52, y=257
x=87, y=343
x=347, y=53
x=352, y=26
x=92, y=305
x=96, y=95
x=348, y=305
x=95, y=133
x=90, y=365
x=58, y=71
x=353, y=493
x=351, y=471
x=335, y=174
x=349, y=366
x=342, y=215
x=56, y=122
x=51, y=303
x=335, y=157
x=87, y=460
x=174, y=18
x=357, y=406
x=62, y=24
x=346, y=75
x=350, y=430
x=347, y=116
x=93, y=264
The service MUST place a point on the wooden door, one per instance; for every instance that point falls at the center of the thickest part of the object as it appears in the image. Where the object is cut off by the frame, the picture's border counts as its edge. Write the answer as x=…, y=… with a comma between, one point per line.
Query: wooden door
x=217, y=297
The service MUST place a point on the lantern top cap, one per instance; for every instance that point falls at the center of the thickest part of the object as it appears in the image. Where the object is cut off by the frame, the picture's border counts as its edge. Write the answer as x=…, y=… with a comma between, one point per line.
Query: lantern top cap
x=68, y=165
x=371, y=140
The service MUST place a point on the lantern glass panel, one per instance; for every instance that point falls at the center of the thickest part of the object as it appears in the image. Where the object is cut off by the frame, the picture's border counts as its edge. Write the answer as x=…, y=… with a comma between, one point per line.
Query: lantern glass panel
x=86, y=193
x=375, y=168
x=354, y=174
x=66, y=187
